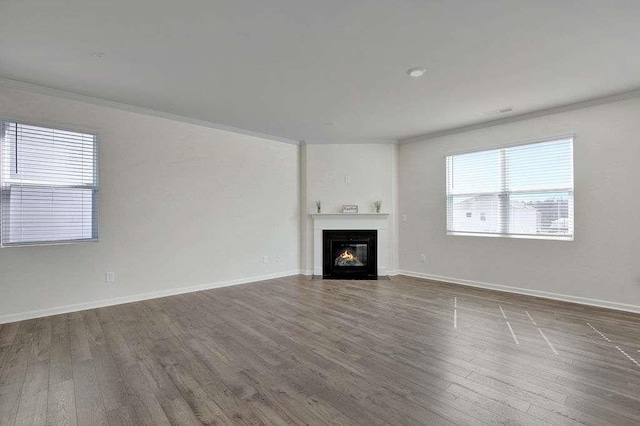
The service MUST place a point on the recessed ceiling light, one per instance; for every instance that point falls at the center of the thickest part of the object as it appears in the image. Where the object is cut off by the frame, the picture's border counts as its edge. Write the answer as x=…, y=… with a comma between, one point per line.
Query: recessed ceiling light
x=97, y=55
x=416, y=72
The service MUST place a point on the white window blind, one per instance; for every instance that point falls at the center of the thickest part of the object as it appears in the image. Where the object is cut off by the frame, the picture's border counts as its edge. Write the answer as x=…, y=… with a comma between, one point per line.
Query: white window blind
x=519, y=191
x=48, y=184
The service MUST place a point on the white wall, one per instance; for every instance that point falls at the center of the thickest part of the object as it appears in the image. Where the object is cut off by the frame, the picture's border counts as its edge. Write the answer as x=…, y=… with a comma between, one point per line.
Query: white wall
x=373, y=172
x=180, y=205
x=602, y=263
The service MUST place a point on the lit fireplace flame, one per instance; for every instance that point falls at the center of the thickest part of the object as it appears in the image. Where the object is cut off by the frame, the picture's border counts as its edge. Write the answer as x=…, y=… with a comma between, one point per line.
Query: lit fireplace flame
x=347, y=259
x=347, y=255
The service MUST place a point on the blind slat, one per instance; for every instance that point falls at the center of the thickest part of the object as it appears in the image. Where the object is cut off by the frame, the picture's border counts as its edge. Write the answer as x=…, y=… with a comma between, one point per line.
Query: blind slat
x=523, y=190
x=48, y=185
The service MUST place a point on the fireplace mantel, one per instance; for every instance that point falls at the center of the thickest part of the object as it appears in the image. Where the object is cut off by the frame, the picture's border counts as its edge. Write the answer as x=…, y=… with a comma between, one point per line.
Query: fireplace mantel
x=348, y=216
x=377, y=221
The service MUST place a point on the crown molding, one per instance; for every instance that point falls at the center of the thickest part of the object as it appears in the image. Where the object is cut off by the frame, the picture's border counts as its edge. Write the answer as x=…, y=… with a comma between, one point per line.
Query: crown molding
x=526, y=116
x=43, y=90
x=351, y=142
x=49, y=91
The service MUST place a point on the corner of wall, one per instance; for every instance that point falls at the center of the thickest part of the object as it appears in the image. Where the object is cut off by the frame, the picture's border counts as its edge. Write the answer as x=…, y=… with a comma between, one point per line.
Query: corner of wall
x=395, y=252
x=303, y=208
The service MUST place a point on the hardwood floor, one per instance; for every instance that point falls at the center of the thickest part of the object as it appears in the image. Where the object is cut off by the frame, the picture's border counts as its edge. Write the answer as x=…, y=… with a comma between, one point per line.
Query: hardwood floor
x=301, y=351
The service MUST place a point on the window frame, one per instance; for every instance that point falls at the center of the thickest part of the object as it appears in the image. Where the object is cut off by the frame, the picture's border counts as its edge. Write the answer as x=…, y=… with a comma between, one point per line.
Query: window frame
x=503, y=193
x=95, y=201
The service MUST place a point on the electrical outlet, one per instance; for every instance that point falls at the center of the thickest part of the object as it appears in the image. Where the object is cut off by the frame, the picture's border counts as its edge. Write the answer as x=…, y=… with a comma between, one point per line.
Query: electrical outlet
x=404, y=217
x=110, y=277
x=423, y=258
x=265, y=259
x=278, y=258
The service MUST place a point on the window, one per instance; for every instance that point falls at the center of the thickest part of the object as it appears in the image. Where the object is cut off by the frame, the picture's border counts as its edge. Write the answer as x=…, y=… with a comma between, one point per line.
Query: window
x=48, y=185
x=517, y=191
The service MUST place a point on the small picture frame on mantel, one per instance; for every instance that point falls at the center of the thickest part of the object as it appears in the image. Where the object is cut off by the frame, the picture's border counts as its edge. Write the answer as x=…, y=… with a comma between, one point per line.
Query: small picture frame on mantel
x=349, y=209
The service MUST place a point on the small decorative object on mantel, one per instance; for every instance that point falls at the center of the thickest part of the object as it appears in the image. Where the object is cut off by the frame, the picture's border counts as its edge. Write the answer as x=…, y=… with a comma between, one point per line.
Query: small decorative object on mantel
x=349, y=208
x=377, y=205
x=319, y=206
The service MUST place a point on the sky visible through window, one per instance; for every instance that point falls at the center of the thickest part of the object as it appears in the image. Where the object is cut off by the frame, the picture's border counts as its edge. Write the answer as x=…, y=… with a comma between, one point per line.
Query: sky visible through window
x=521, y=189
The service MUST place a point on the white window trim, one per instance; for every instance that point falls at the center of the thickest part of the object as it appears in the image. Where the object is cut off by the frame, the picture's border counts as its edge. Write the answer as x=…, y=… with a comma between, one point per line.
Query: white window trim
x=97, y=186
x=567, y=238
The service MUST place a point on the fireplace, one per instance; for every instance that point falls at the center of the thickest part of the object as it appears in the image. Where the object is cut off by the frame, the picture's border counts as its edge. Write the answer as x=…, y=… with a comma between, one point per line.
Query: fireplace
x=349, y=254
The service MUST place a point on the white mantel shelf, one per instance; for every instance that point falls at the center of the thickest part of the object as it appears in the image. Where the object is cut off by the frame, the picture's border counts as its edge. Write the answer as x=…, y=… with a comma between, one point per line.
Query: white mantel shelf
x=349, y=215
x=377, y=221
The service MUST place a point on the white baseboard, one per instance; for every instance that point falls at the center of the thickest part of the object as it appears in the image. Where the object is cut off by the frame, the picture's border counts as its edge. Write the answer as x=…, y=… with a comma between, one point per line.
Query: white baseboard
x=527, y=292
x=138, y=297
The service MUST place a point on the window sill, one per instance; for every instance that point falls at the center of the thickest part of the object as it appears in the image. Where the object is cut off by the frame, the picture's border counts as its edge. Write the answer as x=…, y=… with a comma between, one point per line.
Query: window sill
x=49, y=243
x=517, y=236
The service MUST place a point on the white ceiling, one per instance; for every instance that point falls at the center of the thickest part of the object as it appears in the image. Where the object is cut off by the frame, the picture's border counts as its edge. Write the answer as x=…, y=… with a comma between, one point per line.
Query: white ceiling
x=287, y=67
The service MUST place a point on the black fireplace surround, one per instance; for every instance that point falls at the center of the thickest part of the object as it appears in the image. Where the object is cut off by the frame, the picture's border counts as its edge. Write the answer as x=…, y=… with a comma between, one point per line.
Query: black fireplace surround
x=349, y=254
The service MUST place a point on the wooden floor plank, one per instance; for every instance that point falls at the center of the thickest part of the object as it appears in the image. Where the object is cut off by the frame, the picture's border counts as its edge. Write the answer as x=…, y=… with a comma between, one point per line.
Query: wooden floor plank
x=61, y=406
x=9, y=402
x=307, y=351
x=33, y=399
x=88, y=398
